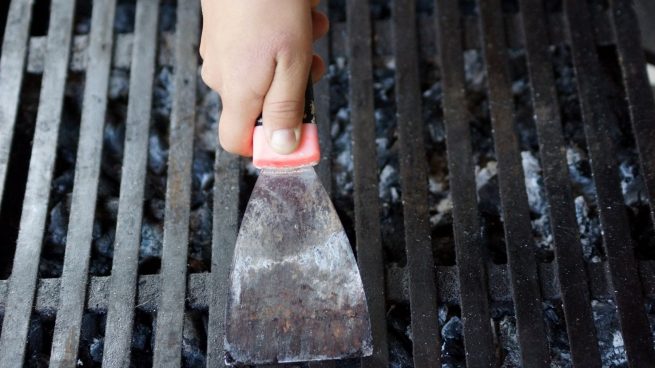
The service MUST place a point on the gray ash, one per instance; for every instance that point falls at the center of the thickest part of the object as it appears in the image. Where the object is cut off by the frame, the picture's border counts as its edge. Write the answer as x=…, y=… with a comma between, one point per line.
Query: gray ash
x=610, y=341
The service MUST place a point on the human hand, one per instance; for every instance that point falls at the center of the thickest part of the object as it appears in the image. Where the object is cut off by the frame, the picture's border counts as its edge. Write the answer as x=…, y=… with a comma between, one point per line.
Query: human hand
x=257, y=54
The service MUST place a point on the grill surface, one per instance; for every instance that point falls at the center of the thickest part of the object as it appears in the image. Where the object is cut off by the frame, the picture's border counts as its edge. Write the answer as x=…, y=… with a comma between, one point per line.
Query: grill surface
x=474, y=283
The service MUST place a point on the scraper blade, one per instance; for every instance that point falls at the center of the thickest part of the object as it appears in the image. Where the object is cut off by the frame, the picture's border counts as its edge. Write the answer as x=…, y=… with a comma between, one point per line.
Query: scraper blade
x=296, y=293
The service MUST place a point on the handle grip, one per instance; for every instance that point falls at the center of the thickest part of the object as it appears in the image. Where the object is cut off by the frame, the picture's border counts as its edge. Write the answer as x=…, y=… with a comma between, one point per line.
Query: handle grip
x=308, y=152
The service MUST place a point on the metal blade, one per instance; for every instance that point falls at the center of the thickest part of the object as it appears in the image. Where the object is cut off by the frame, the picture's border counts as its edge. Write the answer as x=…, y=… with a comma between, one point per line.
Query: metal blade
x=296, y=293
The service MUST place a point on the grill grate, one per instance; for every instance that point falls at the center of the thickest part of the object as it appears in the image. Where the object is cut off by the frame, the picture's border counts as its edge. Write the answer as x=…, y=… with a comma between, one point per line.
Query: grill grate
x=20, y=291
x=618, y=243
x=569, y=259
x=365, y=176
x=474, y=283
x=120, y=311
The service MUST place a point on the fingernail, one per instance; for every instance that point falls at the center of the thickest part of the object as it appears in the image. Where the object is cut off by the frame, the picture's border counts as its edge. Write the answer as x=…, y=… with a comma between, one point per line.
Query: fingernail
x=285, y=141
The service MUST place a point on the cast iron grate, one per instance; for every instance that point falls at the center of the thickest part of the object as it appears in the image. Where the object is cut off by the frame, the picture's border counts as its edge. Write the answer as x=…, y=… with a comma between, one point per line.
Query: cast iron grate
x=493, y=162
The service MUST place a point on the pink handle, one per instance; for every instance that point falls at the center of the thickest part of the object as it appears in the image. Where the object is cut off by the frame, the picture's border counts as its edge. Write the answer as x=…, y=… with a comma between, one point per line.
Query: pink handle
x=308, y=152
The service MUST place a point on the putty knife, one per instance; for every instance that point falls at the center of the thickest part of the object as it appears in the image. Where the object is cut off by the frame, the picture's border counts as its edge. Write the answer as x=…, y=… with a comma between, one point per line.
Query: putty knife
x=295, y=290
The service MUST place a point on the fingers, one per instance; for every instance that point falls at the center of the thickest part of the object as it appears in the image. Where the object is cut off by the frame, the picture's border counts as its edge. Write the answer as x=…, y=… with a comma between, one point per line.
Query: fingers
x=284, y=104
x=261, y=70
x=320, y=25
x=235, y=127
x=242, y=94
x=318, y=68
x=283, y=111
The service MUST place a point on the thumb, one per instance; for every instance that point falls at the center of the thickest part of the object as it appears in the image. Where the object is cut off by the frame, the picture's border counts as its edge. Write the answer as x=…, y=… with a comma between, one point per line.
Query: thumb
x=284, y=106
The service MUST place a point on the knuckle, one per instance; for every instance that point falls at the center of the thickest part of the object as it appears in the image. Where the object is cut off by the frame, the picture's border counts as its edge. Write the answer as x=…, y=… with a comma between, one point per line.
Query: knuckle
x=283, y=110
x=293, y=51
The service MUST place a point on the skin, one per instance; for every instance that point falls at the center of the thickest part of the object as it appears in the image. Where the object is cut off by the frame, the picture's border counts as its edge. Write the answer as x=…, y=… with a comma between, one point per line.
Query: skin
x=257, y=54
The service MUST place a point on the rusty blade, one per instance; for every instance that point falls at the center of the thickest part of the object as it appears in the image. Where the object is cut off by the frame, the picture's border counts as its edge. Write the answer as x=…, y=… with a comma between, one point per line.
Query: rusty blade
x=295, y=293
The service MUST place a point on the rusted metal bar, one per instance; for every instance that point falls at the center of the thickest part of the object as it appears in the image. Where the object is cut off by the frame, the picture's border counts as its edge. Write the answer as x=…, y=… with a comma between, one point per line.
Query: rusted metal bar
x=87, y=169
x=170, y=315
x=638, y=91
x=322, y=103
x=568, y=250
x=225, y=226
x=200, y=285
x=473, y=296
x=365, y=176
x=414, y=186
x=123, y=282
x=513, y=197
x=12, y=64
x=22, y=284
x=617, y=240
x=324, y=122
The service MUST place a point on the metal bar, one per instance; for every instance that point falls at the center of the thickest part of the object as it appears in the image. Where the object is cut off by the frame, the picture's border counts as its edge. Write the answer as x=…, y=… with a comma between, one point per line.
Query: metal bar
x=413, y=173
x=12, y=63
x=568, y=251
x=199, y=286
x=122, y=57
x=323, y=117
x=365, y=177
x=516, y=213
x=603, y=33
x=123, y=281
x=225, y=225
x=638, y=91
x=474, y=296
x=618, y=243
x=322, y=101
x=87, y=168
x=645, y=11
x=22, y=284
x=170, y=314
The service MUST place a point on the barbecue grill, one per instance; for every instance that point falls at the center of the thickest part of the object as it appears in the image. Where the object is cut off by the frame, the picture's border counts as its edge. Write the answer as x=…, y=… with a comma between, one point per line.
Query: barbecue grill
x=493, y=163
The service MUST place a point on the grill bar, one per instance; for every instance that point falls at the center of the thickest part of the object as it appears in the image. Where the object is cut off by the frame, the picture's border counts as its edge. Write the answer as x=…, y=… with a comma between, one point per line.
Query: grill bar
x=568, y=250
x=12, y=64
x=123, y=282
x=199, y=286
x=515, y=210
x=87, y=168
x=322, y=101
x=413, y=180
x=638, y=91
x=22, y=284
x=225, y=225
x=365, y=176
x=470, y=256
x=170, y=314
x=122, y=58
x=618, y=243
